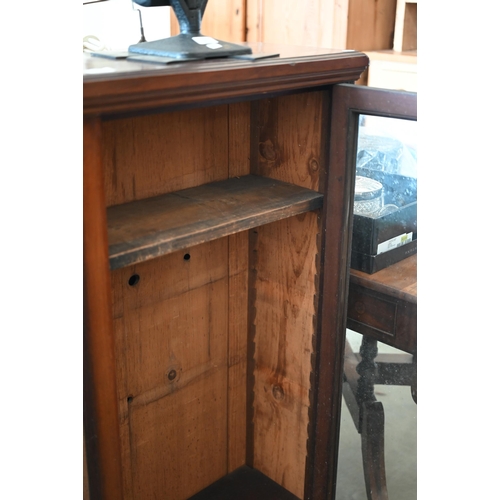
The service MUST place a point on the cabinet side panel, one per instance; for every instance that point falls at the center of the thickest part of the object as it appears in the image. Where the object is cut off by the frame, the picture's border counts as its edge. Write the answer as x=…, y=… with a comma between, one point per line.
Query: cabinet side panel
x=171, y=327
x=288, y=139
x=289, y=143
x=284, y=271
x=155, y=154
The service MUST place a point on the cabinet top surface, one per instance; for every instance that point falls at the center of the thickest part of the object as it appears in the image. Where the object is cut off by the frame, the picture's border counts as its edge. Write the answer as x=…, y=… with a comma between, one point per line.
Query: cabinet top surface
x=117, y=86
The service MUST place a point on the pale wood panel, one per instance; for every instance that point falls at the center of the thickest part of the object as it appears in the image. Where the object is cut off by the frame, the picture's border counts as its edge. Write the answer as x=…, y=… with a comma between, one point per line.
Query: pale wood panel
x=292, y=22
x=288, y=143
x=151, y=155
x=239, y=165
x=344, y=24
x=181, y=446
x=237, y=349
x=371, y=24
x=223, y=19
x=405, y=29
x=174, y=318
x=284, y=271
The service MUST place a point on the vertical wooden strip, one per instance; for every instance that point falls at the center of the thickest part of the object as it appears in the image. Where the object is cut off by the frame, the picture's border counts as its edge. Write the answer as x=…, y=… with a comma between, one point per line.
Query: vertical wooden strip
x=237, y=349
x=239, y=164
x=284, y=304
x=333, y=273
x=100, y=397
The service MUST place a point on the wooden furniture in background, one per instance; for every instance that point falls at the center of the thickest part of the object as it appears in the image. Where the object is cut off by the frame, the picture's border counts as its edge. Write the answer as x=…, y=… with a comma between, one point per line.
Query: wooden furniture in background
x=386, y=30
x=397, y=68
x=383, y=308
x=405, y=29
x=345, y=24
x=217, y=201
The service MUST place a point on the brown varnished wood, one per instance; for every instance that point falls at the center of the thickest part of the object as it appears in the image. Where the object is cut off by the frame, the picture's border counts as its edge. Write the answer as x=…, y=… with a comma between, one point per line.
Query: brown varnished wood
x=134, y=86
x=331, y=319
x=156, y=226
x=102, y=445
x=398, y=281
x=384, y=305
x=222, y=351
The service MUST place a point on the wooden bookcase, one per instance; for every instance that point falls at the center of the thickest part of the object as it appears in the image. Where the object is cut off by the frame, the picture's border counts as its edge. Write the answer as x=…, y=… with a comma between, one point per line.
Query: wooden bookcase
x=217, y=202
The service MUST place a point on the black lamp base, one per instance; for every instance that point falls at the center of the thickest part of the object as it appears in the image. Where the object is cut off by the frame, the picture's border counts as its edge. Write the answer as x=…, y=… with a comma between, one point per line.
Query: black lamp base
x=189, y=46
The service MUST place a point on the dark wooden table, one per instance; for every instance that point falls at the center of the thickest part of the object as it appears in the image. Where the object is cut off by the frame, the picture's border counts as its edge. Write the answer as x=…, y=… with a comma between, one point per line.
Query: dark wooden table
x=383, y=308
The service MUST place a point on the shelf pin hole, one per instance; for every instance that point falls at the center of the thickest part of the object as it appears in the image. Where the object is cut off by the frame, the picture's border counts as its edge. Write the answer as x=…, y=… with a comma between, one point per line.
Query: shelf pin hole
x=134, y=279
x=187, y=256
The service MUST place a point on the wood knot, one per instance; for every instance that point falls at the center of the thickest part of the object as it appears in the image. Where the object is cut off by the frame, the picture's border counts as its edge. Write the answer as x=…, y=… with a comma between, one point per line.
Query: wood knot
x=313, y=165
x=267, y=151
x=278, y=392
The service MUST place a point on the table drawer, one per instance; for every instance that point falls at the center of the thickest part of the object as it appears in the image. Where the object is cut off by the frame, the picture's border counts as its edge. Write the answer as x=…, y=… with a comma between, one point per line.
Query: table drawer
x=387, y=319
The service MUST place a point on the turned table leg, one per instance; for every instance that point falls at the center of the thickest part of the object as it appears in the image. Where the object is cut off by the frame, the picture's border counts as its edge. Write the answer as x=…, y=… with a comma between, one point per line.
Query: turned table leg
x=371, y=423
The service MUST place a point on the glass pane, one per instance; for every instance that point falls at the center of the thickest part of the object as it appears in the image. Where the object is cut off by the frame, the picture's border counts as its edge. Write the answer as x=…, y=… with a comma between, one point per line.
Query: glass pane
x=380, y=362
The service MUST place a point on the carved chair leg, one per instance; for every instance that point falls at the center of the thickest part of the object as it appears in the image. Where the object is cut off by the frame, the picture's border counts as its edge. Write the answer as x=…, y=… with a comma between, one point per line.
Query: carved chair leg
x=372, y=447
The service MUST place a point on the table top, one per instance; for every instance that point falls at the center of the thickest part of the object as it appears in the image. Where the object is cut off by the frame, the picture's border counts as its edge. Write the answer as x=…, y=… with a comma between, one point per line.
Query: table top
x=398, y=281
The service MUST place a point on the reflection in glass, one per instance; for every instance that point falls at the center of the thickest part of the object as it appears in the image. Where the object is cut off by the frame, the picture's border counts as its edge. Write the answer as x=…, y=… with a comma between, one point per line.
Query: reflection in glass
x=377, y=452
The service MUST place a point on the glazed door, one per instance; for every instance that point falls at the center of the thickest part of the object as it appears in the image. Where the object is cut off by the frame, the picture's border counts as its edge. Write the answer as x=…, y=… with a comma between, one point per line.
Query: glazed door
x=375, y=133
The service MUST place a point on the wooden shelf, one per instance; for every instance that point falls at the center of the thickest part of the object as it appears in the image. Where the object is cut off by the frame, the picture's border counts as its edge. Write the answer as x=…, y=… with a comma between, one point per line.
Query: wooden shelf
x=244, y=484
x=149, y=228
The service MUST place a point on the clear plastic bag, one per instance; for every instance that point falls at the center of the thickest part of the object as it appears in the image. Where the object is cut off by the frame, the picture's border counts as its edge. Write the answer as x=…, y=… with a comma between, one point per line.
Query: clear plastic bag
x=387, y=145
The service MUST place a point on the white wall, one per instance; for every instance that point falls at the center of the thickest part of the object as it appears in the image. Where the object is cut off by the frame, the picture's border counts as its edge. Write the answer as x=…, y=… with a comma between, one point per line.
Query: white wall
x=116, y=23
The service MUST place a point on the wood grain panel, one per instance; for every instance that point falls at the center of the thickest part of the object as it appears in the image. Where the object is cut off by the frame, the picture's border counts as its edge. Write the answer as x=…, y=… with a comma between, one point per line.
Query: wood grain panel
x=171, y=330
x=100, y=404
x=181, y=446
x=288, y=143
x=237, y=349
x=371, y=24
x=151, y=155
x=239, y=165
x=296, y=23
x=284, y=272
x=343, y=24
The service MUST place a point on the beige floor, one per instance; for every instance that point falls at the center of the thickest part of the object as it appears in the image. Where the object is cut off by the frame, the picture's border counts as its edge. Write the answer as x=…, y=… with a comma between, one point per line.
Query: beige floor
x=400, y=444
